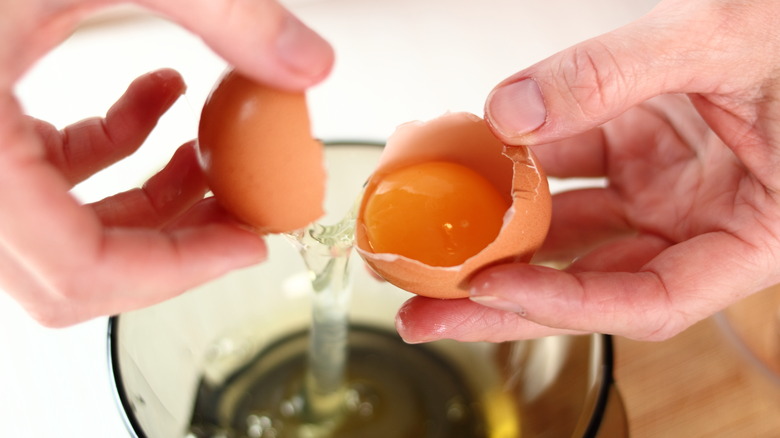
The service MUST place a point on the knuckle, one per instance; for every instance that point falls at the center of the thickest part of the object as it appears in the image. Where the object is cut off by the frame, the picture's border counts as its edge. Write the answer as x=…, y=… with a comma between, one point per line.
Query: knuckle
x=72, y=291
x=51, y=315
x=75, y=290
x=663, y=330
x=593, y=79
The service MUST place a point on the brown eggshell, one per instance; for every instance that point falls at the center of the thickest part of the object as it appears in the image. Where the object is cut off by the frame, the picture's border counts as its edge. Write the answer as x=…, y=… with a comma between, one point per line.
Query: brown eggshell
x=465, y=139
x=260, y=159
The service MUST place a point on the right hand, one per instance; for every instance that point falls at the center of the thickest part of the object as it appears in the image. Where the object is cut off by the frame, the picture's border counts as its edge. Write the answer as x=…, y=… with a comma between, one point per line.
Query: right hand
x=680, y=112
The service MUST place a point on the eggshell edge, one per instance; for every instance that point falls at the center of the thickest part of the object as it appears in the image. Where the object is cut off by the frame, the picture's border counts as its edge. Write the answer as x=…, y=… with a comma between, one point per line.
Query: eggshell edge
x=525, y=225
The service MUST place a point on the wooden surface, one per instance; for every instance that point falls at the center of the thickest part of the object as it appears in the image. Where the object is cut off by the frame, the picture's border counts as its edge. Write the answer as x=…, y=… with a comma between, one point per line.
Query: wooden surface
x=696, y=384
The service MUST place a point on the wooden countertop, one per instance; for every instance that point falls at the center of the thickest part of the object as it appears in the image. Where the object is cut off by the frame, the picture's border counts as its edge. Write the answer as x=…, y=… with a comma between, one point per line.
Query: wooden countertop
x=697, y=384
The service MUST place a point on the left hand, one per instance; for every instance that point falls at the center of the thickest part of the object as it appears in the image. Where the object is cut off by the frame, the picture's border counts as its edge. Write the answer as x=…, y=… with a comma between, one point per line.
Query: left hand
x=65, y=262
x=129, y=250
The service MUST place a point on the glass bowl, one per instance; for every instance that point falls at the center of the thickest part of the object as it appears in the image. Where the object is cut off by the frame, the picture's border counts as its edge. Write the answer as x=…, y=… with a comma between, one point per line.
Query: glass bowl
x=224, y=333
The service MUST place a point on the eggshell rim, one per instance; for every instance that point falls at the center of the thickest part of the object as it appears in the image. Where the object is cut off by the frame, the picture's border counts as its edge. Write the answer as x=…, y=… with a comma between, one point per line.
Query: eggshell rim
x=517, y=157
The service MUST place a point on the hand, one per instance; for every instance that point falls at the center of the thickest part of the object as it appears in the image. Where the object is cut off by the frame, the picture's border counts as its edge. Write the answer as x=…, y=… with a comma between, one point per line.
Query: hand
x=65, y=262
x=690, y=219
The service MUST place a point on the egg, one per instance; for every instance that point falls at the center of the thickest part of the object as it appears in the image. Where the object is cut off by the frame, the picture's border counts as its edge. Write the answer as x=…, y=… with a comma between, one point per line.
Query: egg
x=448, y=199
x=260, y=160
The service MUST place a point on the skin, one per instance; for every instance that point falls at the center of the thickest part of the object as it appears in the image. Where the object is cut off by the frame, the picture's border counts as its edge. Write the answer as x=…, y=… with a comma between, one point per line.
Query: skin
x=64, y=262
x=677, y=110
x=680, y=112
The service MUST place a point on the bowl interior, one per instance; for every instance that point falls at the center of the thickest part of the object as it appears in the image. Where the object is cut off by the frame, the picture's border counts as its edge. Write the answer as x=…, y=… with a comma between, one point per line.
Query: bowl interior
x=554, y=386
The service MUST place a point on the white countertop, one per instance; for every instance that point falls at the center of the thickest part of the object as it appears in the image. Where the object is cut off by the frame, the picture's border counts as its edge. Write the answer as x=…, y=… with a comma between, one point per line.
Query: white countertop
x=397, y=61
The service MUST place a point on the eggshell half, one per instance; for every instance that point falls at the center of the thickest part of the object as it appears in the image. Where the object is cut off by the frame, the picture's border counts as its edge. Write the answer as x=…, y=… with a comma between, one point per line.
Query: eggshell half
x=260, y=159
x=465, y=139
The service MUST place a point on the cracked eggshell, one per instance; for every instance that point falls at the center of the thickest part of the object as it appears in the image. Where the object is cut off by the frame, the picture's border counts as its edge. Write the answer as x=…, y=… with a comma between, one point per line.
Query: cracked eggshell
x=465, y=139
x=259, y=157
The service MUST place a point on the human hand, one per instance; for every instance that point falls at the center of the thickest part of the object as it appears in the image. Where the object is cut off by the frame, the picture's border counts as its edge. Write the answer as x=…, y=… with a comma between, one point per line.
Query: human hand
x=65, y=262
x=690, y=219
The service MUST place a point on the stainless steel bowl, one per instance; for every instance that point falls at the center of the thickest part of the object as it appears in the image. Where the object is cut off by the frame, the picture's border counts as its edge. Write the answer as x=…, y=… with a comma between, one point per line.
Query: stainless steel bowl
x=159, y=357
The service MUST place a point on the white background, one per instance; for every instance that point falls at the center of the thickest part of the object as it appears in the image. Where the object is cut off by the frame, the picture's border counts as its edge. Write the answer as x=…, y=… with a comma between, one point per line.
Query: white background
x=397, y=61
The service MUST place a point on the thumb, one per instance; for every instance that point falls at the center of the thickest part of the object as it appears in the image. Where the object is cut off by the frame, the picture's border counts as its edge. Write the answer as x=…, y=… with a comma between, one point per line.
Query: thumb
x=596, y=80
x=261, y=38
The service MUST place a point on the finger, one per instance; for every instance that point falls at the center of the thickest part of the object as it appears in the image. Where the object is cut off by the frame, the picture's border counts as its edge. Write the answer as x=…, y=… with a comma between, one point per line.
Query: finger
x=665, y=124
x=583, y=219
x=203, y=213
x=136, y=268
x=595, y=81
x=261, y=38
x=682, y=285
x=83, y=148
x=16, y=281
x=423, y=319
x=580, y=156
x=86, y=301
x=72, y=256
x=167, y=194
x=27, y=290
x=624, y=254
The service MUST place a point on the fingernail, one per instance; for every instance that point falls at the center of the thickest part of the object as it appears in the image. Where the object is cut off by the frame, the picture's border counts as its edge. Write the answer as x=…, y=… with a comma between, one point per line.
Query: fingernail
x=492, y=289
x=404, y=332
x=407, y=330
x=302, y=49
x=498, y=303
x=168, y=80
x=517, y=108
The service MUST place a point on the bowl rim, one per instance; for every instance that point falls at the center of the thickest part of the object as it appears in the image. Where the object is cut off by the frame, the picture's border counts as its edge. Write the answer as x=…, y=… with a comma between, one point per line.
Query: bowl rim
x=605, y=378
x=605, y=381
x=121, y=397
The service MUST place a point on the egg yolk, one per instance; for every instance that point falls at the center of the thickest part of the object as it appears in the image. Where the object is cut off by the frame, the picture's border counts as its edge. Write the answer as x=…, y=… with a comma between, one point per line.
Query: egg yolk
x=438, y=213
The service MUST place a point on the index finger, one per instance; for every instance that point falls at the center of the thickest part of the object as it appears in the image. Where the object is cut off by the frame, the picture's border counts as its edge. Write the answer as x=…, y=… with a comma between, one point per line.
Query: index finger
x=682, y=285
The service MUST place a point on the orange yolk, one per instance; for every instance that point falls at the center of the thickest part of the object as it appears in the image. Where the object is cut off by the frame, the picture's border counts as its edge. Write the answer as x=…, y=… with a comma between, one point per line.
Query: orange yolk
x=438, y=213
